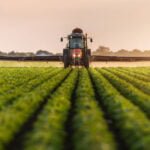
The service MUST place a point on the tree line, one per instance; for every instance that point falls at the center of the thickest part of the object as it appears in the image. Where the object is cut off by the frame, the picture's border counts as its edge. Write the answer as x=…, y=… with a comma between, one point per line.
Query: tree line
x=106, y=51
x=25, y=54
x=101, y=50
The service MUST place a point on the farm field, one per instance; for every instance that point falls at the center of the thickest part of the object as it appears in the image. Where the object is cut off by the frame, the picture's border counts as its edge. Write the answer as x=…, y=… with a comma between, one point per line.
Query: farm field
x=30, y=64
x=60, y=64
x=51, y=108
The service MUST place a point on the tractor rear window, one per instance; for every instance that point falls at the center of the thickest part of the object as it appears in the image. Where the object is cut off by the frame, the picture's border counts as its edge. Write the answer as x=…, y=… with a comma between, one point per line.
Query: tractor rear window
x=76, y=43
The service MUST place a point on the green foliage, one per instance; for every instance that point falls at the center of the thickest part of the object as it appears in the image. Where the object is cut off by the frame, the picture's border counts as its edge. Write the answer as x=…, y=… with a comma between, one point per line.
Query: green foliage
x=143, y=86
x=49, y=130
x=128, y=90
x=141, y=77
x=58, y=98
x=13, y=117
x=21, y=90
x=132, y=124
x=90, y=128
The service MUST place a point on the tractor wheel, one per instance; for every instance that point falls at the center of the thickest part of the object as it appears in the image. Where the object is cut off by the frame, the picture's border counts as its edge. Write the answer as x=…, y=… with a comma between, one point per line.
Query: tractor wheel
x=66, y=62
x=87, y=61
x=89, y=52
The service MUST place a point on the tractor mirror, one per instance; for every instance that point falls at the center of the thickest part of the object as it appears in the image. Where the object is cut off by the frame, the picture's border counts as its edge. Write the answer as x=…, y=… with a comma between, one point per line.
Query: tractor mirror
x=61, y=39
x=91, y=40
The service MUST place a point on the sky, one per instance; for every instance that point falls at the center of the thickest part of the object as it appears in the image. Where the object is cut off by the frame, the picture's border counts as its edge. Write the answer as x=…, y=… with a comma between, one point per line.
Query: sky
x=30, y=25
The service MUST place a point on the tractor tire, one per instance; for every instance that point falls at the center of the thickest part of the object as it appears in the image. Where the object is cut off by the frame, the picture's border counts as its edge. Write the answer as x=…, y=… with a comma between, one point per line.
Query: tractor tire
x=66, y=58
x=66, y=62
x=89, y=52
x=87, y=61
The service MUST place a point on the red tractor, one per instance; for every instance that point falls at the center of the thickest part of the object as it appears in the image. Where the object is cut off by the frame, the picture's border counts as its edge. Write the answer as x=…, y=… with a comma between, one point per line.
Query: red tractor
x=76, y=52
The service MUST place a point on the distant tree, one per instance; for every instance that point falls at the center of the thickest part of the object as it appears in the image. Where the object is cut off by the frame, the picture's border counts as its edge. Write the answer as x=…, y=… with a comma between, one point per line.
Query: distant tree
x=12, y=53
x=43, y=52
x=146, y=53
x=102, y=50
x=122, y=52
x=136, y=52
x=29, y=54
x=3, y=54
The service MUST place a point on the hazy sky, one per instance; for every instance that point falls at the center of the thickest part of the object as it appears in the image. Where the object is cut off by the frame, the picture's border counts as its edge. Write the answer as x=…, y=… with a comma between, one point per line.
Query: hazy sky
x=29, y=25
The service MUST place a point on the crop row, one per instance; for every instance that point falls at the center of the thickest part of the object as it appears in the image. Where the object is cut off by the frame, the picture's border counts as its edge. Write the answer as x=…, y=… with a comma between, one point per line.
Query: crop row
x=132, y=124
x=9, y=75
x=78, y=109
x=12, y=118
x=139, y=70
x=19, y=78
x=134, y=74
x=10, y=97
x=51, y=122
x=89, y=125
x=129, y=91
x=143, y=86
x=49, y=130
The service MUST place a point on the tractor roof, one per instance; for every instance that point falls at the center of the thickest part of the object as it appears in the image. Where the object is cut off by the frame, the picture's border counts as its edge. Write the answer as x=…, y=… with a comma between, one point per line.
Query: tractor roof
x=77, y=30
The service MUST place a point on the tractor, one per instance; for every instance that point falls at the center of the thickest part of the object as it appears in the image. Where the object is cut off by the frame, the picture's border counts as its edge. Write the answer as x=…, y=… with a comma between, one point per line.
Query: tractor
x=77, y=52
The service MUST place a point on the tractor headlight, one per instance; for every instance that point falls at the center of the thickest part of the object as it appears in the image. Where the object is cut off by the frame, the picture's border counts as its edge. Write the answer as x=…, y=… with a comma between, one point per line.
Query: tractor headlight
x=74, y=55
x=79, y=55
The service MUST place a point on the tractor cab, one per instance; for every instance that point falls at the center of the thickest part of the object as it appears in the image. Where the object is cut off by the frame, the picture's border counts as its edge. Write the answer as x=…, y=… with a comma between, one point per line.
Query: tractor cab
x=76, y=53
x=76, y=42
